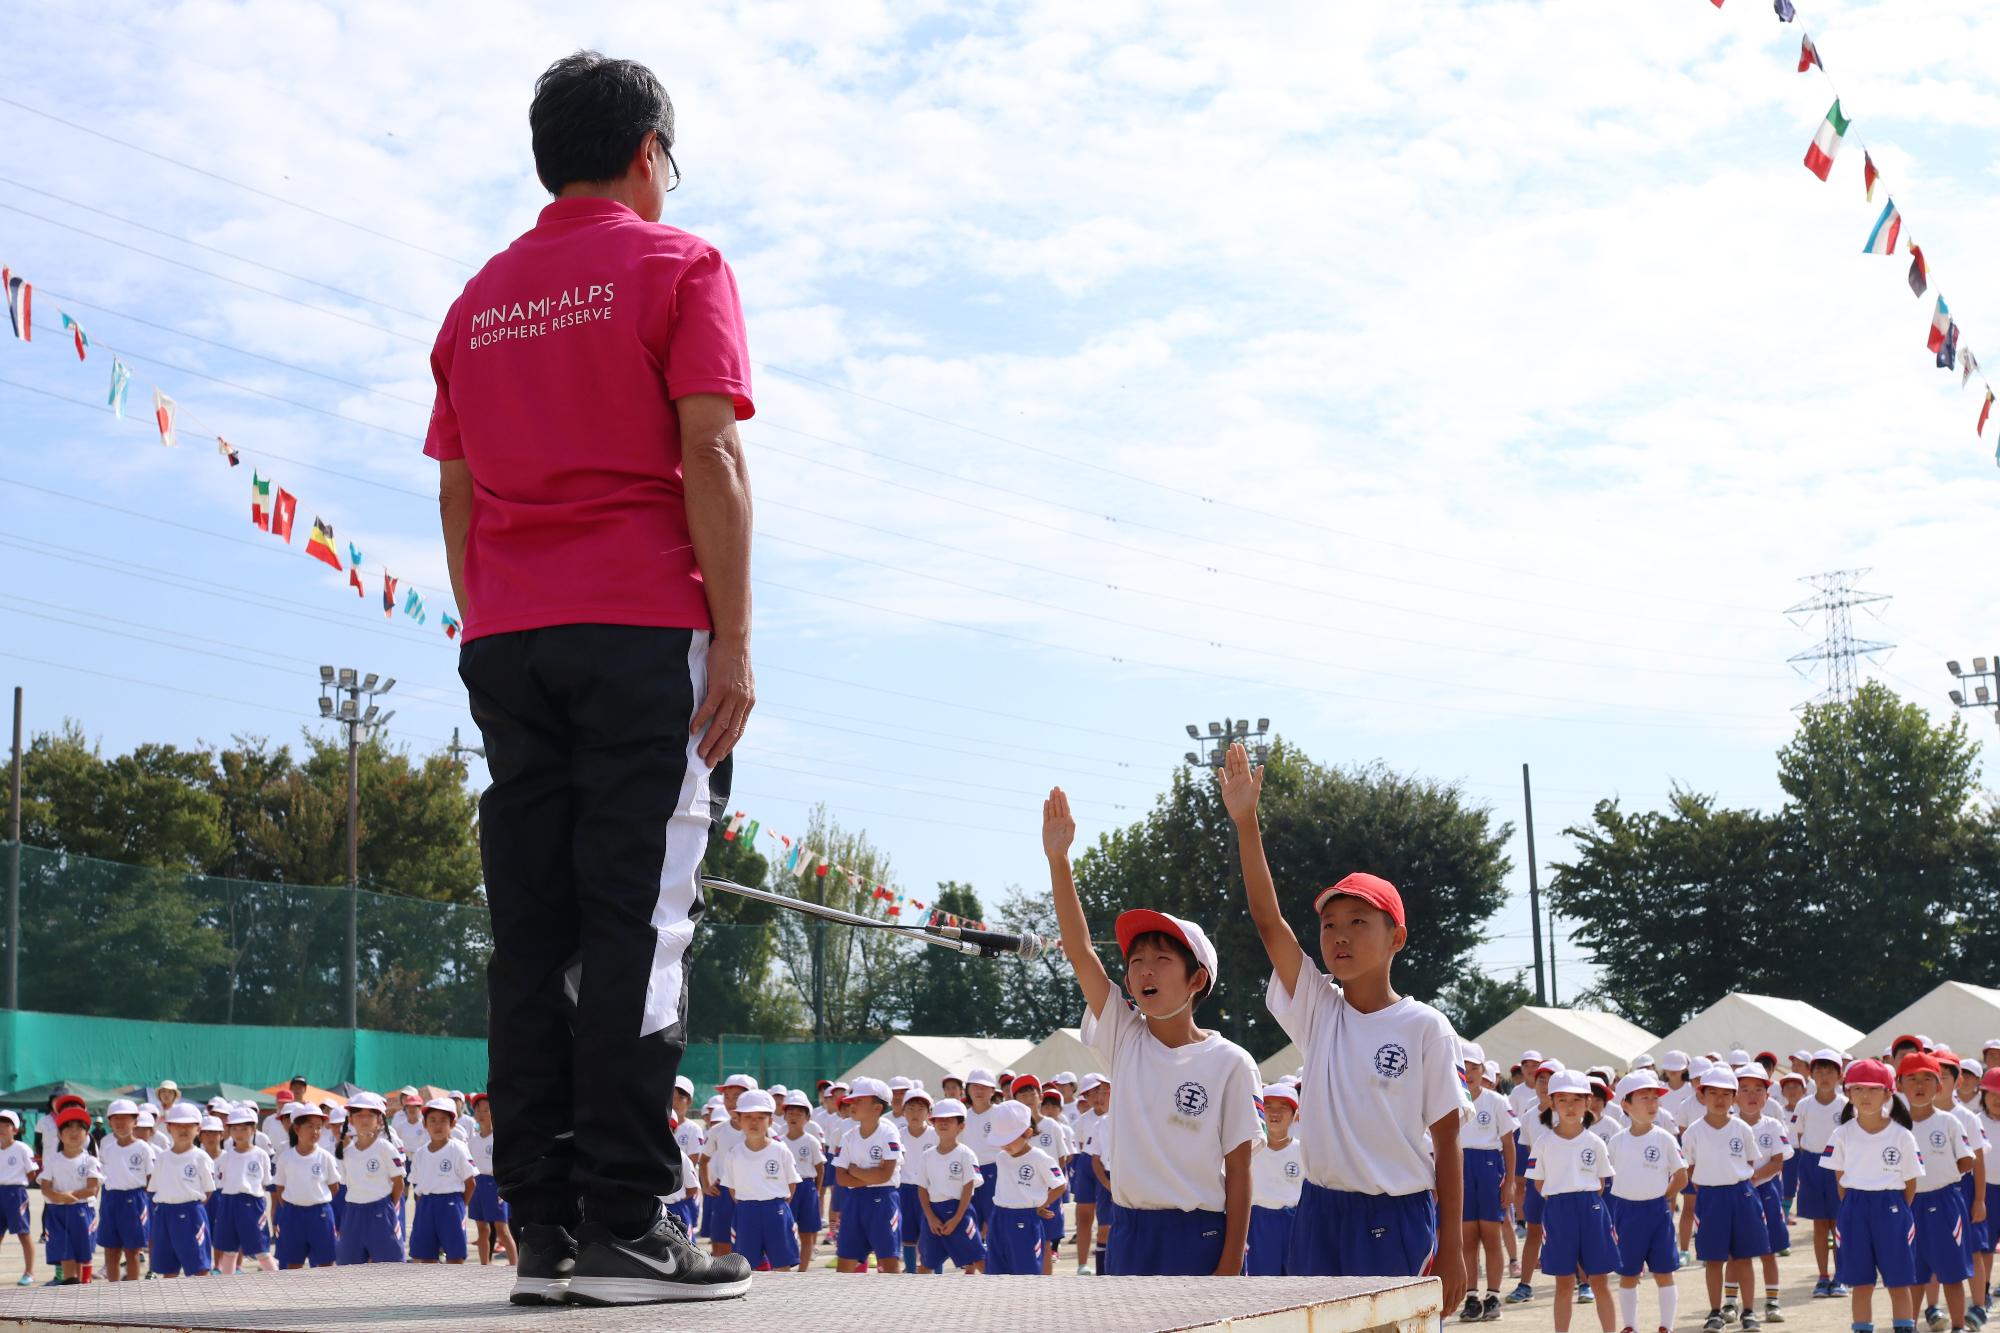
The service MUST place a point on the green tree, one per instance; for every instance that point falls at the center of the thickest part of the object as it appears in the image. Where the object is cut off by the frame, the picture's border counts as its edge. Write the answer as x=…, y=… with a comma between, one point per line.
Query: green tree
x=1475, y=1002
x=1445, y=854
x=149, y=807
x=735, y=986
x=844, y=975
x=1039, y=996
x=945, y=993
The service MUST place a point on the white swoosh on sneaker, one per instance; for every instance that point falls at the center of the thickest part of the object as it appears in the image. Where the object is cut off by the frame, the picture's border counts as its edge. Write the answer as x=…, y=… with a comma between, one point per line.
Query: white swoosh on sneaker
x=668, y=1267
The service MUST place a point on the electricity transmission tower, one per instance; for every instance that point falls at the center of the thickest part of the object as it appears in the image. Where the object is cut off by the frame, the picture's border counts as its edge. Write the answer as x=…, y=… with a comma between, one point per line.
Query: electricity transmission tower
x=1835, y=597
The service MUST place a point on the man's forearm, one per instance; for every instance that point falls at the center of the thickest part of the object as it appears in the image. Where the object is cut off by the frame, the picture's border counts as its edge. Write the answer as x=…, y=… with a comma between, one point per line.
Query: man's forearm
x=719, y=516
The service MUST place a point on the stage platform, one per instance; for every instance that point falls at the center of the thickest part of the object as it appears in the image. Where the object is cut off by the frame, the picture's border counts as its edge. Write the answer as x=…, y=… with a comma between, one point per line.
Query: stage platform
x=415, y=1298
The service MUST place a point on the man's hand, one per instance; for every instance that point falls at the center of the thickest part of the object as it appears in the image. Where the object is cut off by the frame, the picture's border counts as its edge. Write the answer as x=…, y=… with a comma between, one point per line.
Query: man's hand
x=725, y=709
x=1058, y=826
x=1450, y=1270
x=1241, y=785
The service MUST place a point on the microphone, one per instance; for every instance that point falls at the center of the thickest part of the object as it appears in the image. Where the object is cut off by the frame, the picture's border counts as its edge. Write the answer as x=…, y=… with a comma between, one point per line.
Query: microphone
x=991, y=942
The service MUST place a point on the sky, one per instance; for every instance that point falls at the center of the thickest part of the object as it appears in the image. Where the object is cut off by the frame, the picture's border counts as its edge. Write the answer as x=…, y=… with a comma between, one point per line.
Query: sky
x=1457, y=385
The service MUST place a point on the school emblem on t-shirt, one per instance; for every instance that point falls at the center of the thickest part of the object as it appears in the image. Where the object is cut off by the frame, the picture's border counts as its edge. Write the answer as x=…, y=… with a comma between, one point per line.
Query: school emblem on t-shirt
x=1588, y=1157
x=1736, y=1146
x=1191, y=1098
x=1891, y=1156
x=1025, y=1173
x=1291, y=1170
x=874, y=1152
x=187, y=1172
x=373, y=1166
x=1652, y=1154
x=771, y=1167
x=138, y=1161
x=1485, y=1118
x=1391, y=1060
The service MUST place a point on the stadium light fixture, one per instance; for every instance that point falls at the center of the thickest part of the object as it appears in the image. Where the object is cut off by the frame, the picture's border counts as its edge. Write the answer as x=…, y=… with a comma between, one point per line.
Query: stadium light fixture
x=1952, y=666
x=387, y=685
x=1958, y=698
x=347, y=678
x=1193, y=732
x=368, y=683
x=1979, y=664
x=369, y=716
x=326, y=705
x=326, y=675
x=1215, y=728
x=1979, y=693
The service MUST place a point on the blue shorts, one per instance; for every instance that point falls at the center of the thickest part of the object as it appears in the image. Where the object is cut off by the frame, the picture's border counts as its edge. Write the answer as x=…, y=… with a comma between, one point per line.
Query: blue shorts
x=487, y=1205
x=1270, y=1242
x=1978, y=1235
x=805, y=1208
x=1083, y=1180
x=1576, y=1236
x=70, y=1232
x=765, y=1233
x=961, y=1245
x=438, y=1227
x=1165, y=1242
x=240, y=1227
x=1819, y=1192
x=1484, y=1170
x=122, y=1223
x=1878, y=1234
x=1794, y=1165
x=14, y=1209
x=1644, y=1229
x=1341, y=1234
x=1942, y=1251
x=1052, y=1225
x=982, y=1193
x=1729, y=1224
x=1992, y=1215
x=913, y=1213
x=1772, y=1192
x=371, y=1234
x=305, y=1231
x=689, y=1213
x=180, y=1239
x=339, y=1206
x=718, y=1216
x=1014, y=1242
x=1532, y=1204
x=871, y=1224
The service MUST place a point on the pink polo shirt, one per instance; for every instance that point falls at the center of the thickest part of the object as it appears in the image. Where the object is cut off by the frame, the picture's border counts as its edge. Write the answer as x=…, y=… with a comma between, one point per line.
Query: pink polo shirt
x=556, y=372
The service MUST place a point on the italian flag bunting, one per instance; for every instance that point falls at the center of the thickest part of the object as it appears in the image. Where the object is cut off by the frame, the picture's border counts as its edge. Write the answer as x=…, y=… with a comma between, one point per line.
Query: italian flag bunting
x=1826, y=144
x=260, y=501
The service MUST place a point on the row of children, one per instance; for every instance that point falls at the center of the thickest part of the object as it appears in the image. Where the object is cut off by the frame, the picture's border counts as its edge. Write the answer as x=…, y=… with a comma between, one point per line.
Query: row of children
x=333, y=1187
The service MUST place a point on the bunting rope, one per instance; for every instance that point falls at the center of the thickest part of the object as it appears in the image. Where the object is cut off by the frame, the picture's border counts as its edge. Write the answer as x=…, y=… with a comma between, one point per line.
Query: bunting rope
x=793, y=858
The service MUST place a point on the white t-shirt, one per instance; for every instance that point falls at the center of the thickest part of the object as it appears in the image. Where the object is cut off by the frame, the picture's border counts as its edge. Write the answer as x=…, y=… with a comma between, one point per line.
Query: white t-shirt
x=243, y=1172
x=1375, y=1083
x=1492, y=1118
x=1718, y=1155
x=306, y=1178
x=17, y=1164
x=1885, y=1160
x=1614, y=1114
x=466, y=1129
x=717, y=1140
x=752, y=1174
x=865, y=1152
x=808, y=1153
x=1813, y=1123
x=978, y=1124
x=70, y=1174
x=692, y=1138
x=1975, y=1128
x=944, y=1175
x=1682, y=1103
x=1941, y=1146
x=1054, y=1137
x=372, y=1172
x=479, y=1147
x=1179, y=1110
x=915, y=1145
x=441, y=1170
x=1523, y=1102
x=1024, y=1180
x=1084, y=1123
x=1276, y=1173
x=1644, y=1164
x=1772, y=1137
x=127, y=1166
x=273, y=1129
x=1990, y=1146
x=1569, y=1166
x=183, y=1177
x=161, y=1140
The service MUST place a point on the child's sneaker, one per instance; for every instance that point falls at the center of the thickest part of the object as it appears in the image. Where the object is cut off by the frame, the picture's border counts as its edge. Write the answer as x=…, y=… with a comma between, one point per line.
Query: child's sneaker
x=1975, y=1318
x=1514, y=1268
x=1731, y=1312
x=1585, y=1296
x=1935, y=1320
x=1750, y=1322
x=1772, y=1313
x=1715, y=1323
x=1838, y=1289
x=1822, y=1288
x=1490, y=1308
x=1471, y=1310
x=1524, y=1292
x=1085, y=1270
x=25, y=1280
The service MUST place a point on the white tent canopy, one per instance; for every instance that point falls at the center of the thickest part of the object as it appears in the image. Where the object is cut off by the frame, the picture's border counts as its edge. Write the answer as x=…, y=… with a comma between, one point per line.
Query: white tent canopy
x=1060, y=1050
x=930, y=1059
x=1579, y=1038
x=1760, y=1023
x=1285, y=1061
x=1961, y=1017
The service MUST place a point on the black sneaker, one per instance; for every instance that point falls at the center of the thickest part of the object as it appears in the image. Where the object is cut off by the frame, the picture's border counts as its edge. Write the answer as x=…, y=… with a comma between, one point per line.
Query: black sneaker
x=1490, y=1308
x=1471, y=1310
x=548, y=1253
x=661, y=1265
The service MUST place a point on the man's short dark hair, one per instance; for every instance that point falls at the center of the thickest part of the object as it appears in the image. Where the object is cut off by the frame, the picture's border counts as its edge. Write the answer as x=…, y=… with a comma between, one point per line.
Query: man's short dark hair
x=589, y=114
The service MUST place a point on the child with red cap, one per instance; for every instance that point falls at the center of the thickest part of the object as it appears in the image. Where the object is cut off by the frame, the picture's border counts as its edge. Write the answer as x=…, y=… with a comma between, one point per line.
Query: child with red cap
x=1945, y=1153
x=70, y=1179
x=1381, y=1069
x=1183, y=1122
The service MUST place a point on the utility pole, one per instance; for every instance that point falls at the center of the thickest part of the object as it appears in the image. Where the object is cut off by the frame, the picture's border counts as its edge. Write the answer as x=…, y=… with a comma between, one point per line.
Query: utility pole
x=1838, y=648
x=333, y=682
x=1222, y=735
x=1534, y=887
x=1552, y=958
x=14, y=865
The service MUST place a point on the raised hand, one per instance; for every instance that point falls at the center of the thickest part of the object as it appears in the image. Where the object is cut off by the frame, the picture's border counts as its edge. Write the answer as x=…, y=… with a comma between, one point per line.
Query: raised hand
x=1241, y=785
x=1058, y=826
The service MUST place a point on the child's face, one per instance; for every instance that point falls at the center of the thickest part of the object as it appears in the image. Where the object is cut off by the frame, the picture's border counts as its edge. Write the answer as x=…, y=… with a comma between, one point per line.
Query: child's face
x=307, y=1127
x=1921, y=1088
x=757, y=1124
x=72, y=1136
x=729, y=1096
x=1356, y=938
x=123, y=1125
x=1159, y=980
x=1989, y=1102
x=1752, y=1095
x=6, y=1132
x=1643, y=1105
x=1570, y=1106
x=954, y=1088
x=682, y=1101
x=948, y=1127
x=1029, y=1097
x=482, y=1113
x=438, y=1125
x=1279, y=1116
x=1868, y=1099
x=916, y=1115
x=868, y=1111
x=796, y=1118
x=981, y=1094
x=1826, y=1077
x=240, y=1135
x=182, y=1136
x=1717, y=1101
x=1968, y=1084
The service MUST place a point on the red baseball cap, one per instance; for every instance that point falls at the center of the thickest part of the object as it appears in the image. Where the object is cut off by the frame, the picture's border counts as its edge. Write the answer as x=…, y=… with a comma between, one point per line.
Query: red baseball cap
x=1869, y=1074
x=72, y=1115
x=1945, y=1057
x=1990, y=1080
x=284, y=1095
x=1371, y=889
x=1144, y=921
x=1907, y=1039
x=1025, y=1081
x=1916, y=1062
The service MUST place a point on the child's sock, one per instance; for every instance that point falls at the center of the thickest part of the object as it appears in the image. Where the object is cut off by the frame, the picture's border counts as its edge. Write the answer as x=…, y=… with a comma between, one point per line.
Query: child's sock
x=1628, y=1307
x=1864, y=1328
x=1670, y=1304
x=909, y=1258
x=1097, y=1254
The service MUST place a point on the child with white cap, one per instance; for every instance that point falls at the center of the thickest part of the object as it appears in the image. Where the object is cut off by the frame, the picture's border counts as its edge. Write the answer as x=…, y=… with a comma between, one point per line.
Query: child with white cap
x=1648, y=1174
x=718, y=1221
x=243, y=1176
x=302, y=1189
x=122, y=1224
x=1180, y=1151
x=947, y=1176
x=1572, y=1163
x=869, y=1160
x=760, y=1172
x=1528, y=1193
x=918, y=1138
x=1277, y=1170
x=442, y=1177
x=1381, y=1199
x=809, y=1154
x=1814, y=1119
x=1721, y=1157
x=1685, y=1106
x=372, y=1168
x=1028, y=1185
x=182, y=1179
x=1083, y=1180
x=1791, y=1090
x=691, y=1137
x=488, y=1211
x=1054, y=1136
x=982, y=1094
x=17, y=1172
x=1772, y=1137
x=1488, y=1145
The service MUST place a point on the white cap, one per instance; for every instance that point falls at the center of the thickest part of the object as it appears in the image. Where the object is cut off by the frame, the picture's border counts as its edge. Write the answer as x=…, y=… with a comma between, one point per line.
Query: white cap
x=1738, y=1058
x=1719, y=1076
x=217, y=1102
x=122, y=1106
x=1550, y=1067
x=184, y=1113
x=838, y=1085
x=1531, y=1057
x=1064, y=1077
x=146, y=1119
x=166, y=1085
x=1791, y=1076
x=1802, y=1055
x=1471, y=1053
x=1968, y=1065
x=408, y=1092
x=1283, y=1092
x=368, y=1101
x=1992, y=1044
x=1674, y=1061
x=336, y=1115
x=1828, y=1054
x=717, y=1114
x=743, y=1081
x=682, y=1083
x=777, y=1091
x=299, y=1110
x=1492, y=1069
x=1639, y=1080
x=1644, y=1062
x=1569, y=1080
x=1005, y=1123
x=950, y=1106
x=12, y=1116
x=756, y=1099
x=241, y=1116
x=899, y=1084
x=211, y=1123
x=1753, y=1070
x=1091, y=1083
x=1926, y=1042
x=870, y=1087
x=1699, y=1065
x=797, y=1097
x=441, y=1104
x=457, y=1096
x=981, y=1076
x=917, y=1093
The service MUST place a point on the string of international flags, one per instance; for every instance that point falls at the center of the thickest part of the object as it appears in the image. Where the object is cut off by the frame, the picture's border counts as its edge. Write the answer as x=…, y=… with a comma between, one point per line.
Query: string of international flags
x=792, y=857
x=273, y=509
x=1943, y=340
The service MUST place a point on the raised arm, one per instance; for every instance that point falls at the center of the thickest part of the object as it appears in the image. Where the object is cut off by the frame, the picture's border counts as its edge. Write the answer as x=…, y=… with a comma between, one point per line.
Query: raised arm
x=1241, y=787
x=1058, y=832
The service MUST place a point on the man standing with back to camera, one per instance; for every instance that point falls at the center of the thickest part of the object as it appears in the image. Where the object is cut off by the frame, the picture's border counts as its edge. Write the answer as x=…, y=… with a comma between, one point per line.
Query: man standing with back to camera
x=596, y=511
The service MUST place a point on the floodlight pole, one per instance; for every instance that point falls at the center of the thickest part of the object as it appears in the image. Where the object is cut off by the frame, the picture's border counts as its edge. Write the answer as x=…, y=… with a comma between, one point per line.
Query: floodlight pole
x=332, y=685
x=14, y=864
x=1534, y=886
